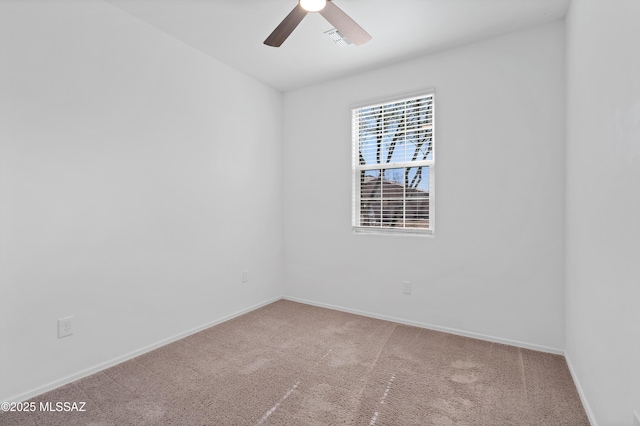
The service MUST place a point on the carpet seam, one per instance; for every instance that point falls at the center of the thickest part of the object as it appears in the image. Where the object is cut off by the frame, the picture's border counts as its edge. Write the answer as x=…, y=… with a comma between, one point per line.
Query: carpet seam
x=375, y=362
x=524, y=376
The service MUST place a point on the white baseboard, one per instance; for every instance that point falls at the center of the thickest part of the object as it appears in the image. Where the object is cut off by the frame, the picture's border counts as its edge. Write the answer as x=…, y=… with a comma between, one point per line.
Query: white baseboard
x=464, y=333
x=103, y=366
x=583, y=397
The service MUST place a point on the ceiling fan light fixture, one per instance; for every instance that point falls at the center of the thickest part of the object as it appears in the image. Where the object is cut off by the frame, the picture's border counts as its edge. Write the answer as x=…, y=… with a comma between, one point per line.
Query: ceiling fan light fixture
x=313, y=5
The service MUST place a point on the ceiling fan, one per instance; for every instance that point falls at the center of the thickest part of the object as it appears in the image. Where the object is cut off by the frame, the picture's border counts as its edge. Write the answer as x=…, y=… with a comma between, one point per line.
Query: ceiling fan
x=332, y=13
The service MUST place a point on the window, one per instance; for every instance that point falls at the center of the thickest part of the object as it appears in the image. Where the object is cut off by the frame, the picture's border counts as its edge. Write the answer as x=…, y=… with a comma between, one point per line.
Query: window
x=393, y=166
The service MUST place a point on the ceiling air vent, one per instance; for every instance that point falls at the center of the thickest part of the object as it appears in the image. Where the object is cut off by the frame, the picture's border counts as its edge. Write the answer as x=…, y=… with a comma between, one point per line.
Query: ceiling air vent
x=338, y=38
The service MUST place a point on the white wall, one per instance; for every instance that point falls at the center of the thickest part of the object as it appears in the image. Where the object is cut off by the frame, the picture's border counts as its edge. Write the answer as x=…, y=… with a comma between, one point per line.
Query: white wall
x=603, y=205
x=137, y=177
x=496, y=265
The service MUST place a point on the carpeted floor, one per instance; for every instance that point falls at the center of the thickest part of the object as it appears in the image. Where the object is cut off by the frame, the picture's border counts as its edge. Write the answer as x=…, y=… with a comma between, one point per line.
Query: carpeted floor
x=294, y=364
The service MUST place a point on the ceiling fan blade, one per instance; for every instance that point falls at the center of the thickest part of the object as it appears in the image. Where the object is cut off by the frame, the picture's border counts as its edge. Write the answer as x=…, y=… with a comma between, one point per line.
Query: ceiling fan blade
x=343, y=23
x=286, y=27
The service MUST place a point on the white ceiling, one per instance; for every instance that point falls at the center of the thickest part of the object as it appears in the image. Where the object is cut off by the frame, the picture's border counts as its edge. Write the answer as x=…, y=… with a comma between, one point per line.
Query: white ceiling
x=232, y=31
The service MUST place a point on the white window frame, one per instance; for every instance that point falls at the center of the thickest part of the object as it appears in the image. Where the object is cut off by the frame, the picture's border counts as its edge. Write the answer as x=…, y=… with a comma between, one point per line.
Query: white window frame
x=357, y=168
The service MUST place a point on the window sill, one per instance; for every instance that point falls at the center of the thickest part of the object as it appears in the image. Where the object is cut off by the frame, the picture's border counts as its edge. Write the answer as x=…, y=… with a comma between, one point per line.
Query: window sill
x=358, y=230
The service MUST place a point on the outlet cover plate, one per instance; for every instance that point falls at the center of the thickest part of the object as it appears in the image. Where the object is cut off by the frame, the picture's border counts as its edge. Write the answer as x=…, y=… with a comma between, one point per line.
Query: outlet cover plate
x=65, y=327
x=406, y=287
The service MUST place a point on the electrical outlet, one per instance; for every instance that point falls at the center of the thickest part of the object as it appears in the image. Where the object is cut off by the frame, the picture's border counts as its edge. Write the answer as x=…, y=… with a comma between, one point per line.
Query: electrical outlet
x=245, y=276
x=406, y=287
x=65, y=327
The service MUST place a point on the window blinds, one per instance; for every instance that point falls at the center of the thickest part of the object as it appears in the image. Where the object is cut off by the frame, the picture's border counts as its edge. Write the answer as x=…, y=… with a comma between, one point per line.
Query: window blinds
x=393, y=162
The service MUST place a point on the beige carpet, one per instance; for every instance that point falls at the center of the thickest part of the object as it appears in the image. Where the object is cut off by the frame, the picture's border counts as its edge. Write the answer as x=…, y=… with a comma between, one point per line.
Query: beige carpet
x=294, y=364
